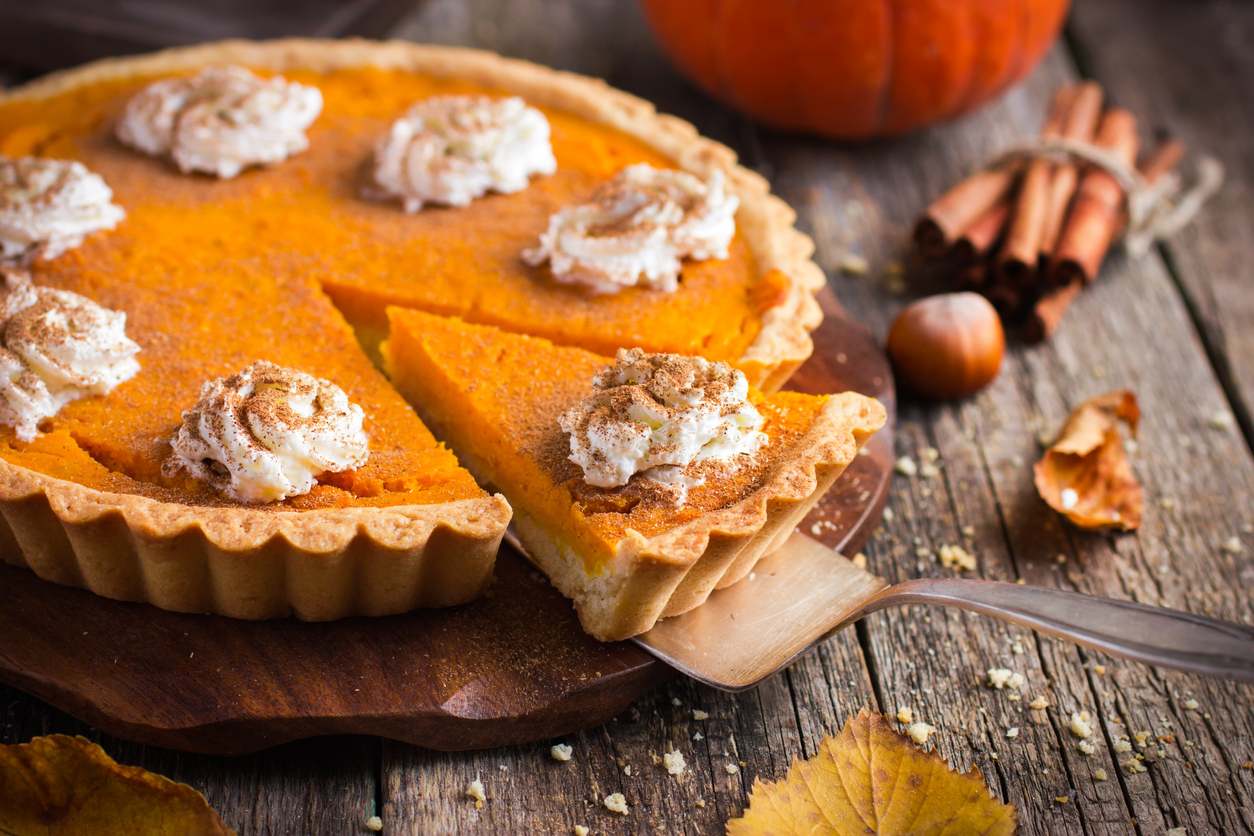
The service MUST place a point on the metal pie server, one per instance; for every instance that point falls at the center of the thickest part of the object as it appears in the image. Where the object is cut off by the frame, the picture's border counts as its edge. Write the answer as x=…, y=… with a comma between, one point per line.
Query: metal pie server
x=805, y=592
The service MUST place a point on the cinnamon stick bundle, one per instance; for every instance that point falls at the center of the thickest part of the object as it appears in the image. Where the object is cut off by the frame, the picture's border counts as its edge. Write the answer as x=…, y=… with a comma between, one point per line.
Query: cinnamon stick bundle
x=1030, y=236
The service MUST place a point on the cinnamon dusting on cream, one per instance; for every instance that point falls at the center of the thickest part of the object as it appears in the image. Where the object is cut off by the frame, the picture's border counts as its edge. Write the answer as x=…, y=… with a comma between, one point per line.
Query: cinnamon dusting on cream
x=56, y=347
x=48, y=206
x=661, y=414
x=637, y=229
x=267, y=432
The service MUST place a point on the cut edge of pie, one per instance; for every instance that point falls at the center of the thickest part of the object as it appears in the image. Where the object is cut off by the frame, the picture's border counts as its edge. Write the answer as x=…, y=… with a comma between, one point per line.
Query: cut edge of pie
x=648, y=577
x=765, y=220
x=250, y=563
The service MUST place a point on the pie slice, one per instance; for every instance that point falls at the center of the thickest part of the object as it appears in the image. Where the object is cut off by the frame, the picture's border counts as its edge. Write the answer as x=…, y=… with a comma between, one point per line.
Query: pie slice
x=626, y=556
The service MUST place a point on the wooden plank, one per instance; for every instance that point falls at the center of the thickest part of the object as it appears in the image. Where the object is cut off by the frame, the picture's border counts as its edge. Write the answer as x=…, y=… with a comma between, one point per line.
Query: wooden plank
x=52, y=34
x=1131, y=330
x=322, y=787
x=1188, y=69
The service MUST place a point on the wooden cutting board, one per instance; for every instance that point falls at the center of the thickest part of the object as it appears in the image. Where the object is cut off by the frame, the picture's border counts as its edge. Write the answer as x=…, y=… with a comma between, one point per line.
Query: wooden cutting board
x=509, y=668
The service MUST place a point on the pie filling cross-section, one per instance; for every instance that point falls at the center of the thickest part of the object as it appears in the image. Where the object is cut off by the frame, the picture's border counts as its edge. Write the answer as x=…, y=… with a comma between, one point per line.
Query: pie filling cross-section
x=628, y=555
x=285, y=262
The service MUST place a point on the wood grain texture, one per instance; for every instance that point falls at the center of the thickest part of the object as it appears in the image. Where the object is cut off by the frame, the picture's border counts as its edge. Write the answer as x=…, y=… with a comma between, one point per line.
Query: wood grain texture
x=1188, y=69
x=1132, y=328
x=53, y=34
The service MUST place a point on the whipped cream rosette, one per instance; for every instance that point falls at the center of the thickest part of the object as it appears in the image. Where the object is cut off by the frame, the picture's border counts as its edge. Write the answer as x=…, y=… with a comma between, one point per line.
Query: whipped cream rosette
x=58, y=347
x=452, y=149
x=51, y=205
x=267, y=432
x=637, y=229
x=656, y=414
x=221, y=120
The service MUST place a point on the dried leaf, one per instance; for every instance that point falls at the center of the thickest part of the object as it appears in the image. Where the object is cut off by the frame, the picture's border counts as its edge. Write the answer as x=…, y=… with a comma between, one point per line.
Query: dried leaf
x=1086, y=474
x=869, y=779
x=68, y=785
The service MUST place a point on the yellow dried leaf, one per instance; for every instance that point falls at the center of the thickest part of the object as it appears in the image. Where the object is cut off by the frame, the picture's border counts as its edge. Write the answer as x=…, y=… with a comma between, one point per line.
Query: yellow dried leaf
x=69, y=786
x=869, y=779
x=1086, y=474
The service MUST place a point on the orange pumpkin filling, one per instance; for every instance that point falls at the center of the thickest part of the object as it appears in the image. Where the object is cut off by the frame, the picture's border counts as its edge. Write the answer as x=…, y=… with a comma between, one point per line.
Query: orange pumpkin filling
x=497, y=396
x=215, y=274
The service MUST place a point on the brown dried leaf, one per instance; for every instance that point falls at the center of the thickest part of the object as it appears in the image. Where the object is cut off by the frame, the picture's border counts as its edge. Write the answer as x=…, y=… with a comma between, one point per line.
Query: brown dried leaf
x=869, y=779
x=1089, y=458
x=68, y=785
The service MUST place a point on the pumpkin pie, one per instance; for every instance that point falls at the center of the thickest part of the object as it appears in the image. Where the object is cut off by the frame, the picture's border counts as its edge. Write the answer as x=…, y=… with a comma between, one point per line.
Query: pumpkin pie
x=625, y=555
x=287, y=264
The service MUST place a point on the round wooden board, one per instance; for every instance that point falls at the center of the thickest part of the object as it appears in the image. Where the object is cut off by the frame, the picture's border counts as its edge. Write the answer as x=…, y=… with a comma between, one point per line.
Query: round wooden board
x=510, y=668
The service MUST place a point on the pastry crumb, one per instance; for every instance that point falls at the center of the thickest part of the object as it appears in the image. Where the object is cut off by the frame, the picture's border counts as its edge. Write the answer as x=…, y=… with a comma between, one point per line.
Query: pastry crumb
x=674, y=762
x=627, y=770
x=1221, y=420
x=1080, y=725
x=560, y=752
x=475, y=791
x=1061, y=799
x=1039, y=703
x=854, y=265
x=1099, y=774
x=889, y=515
x=580, y=830
x=1190, y=705
x=929, y=471
x=698, y=736
x=374, y=823
x=906, y=466
x=957, y=557
x=616, y=803
x=1177, y=831
x=1134, y=766
x=1001, y=678
x=1121, y=746
x=1086, y=746
x=1013, y=731
x=859, y=560
x=676, y=701
x=920, y=732
x=698, y=714
x=1233, y=545
x=732, y=769
x=1166, y=503
x=905, y=714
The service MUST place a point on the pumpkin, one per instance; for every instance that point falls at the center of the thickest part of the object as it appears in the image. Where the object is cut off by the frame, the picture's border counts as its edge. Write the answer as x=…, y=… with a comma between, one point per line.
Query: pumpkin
x=853, y=69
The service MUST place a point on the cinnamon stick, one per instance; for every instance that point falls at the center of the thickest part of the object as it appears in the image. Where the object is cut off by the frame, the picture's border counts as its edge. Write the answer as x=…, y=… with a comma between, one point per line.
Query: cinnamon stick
x=1016, y=263
x=1080, y=126
x=1048, y=311
x=978, y=239
x=956, y=210
x=972, y=278
x=1098, y=208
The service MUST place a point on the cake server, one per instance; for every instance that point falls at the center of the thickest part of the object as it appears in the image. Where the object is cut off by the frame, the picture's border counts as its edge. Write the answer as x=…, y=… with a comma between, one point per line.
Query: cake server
x=805, y=592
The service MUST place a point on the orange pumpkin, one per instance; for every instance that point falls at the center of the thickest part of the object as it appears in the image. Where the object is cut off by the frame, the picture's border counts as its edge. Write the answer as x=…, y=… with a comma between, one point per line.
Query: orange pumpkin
x=852, y=69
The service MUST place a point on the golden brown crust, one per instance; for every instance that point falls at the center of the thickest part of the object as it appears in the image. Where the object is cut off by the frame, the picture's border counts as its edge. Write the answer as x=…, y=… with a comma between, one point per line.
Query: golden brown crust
x=654, y=577
x=249, y=562
x=766, y=221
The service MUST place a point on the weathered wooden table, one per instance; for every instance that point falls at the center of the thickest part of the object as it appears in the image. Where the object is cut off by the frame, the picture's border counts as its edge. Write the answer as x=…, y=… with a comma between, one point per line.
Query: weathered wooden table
x=1176, y=326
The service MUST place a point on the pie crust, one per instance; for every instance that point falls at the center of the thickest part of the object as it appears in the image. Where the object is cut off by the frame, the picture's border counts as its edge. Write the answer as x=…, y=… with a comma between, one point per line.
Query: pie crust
x=327, y=564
